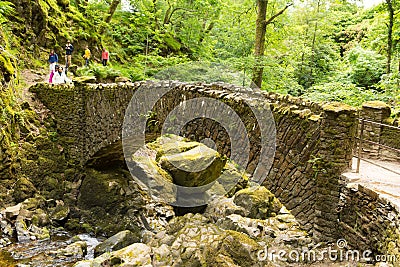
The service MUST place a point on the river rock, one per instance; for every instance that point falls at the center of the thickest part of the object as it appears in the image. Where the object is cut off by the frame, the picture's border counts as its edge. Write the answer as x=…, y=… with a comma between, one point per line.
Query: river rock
x=172, y=159
x=33, y=203
x=196, y=167
x=12, y=212
x=21, y=228
x=136, y=254
x=77, y=249
x=116, y=242
x=158, y=181
x=40, y=218
x=220, y=207
x=40, y=233
x=4, y=242
x=258, y=201
x=197, y=242
x=170, y=144
x=60, y=213
x=233, y=179
x=254, y=228
x=6, y=228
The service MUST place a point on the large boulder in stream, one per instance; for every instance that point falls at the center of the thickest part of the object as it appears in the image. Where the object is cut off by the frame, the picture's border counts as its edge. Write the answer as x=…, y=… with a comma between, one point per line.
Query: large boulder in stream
x=197, y=166
x=197, y=171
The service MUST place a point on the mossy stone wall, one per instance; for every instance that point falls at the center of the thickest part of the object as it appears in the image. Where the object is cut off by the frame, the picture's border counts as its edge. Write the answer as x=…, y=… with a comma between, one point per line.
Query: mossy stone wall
x=380, y=112
x=370, y=221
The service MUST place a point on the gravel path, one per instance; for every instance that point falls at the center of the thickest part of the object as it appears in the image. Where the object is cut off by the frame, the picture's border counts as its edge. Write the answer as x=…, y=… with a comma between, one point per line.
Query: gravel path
x=379, y=179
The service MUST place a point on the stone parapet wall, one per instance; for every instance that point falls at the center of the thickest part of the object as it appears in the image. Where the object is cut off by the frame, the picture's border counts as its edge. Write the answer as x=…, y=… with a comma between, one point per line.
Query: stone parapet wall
x=297, y=101
x=370, y=221
x=379, y=112
x=313, y=142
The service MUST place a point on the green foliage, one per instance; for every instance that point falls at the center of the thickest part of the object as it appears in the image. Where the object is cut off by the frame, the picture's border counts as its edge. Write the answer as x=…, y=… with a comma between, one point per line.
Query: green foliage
x=315, y=65
x=344, y=92
x=367, y=66
x=390, y=85
x=102, y=73
x=202, y=72
x=6, y=9
x=324, y=50
x=151, y=65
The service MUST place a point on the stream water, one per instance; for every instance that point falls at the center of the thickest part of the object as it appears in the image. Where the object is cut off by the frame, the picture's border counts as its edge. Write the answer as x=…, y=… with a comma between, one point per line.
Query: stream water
x=46, y=253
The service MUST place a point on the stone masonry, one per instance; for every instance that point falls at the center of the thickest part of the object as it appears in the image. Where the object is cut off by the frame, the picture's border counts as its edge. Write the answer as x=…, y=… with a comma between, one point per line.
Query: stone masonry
x=370, y=221
x=379, y=112
x=313, y=142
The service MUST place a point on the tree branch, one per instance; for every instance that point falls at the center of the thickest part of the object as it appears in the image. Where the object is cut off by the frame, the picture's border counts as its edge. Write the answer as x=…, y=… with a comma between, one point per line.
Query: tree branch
x=271, y=19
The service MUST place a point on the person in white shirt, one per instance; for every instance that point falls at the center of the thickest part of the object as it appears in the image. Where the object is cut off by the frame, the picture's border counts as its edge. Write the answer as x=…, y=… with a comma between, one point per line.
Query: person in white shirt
x=59, y=76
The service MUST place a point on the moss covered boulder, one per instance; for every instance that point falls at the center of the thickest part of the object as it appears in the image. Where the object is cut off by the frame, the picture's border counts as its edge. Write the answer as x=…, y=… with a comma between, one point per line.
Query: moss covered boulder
x=137, y=254
x=258, y=201
x=183, y=173
x=190, y=164
x=196, y=167
x=190, y=240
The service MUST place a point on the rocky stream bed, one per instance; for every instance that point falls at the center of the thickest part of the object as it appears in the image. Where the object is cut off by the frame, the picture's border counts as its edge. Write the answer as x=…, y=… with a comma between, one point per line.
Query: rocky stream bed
x=116, y=223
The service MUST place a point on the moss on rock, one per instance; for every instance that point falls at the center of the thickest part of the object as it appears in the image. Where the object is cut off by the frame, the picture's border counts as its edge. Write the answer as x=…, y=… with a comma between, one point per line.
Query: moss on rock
x=258, y=201
x=23, y=189
x=338, y=107
x=6, y=67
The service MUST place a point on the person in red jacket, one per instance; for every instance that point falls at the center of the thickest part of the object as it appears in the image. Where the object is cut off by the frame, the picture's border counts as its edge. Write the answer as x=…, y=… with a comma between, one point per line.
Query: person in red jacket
x=104, y=57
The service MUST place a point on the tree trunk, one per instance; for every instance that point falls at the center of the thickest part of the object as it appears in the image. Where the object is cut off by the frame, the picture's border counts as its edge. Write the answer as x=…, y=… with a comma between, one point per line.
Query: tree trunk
x=389, y=38
x=111, y=10
x=167, y=15
x=305, y=44
x=259, y=46
x=313, y=41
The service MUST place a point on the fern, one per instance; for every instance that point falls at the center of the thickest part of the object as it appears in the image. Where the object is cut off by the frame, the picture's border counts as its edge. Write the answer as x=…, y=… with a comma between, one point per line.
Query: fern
x=6, y=9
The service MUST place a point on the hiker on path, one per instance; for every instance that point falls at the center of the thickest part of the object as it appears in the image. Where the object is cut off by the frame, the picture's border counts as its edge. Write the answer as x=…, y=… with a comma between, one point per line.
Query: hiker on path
x=104, y=57
x=69, y=48
x=53, y=60
x=86, y=56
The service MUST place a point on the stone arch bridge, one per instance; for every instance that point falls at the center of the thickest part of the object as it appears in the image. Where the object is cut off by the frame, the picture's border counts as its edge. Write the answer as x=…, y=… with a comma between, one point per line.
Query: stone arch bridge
x=313, y=142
